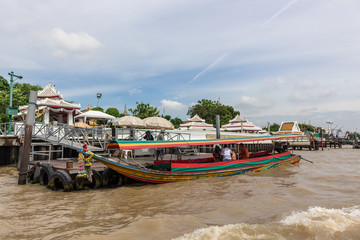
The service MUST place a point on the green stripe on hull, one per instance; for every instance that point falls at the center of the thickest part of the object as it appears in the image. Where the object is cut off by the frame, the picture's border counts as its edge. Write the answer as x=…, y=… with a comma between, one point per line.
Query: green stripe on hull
x=235, y=165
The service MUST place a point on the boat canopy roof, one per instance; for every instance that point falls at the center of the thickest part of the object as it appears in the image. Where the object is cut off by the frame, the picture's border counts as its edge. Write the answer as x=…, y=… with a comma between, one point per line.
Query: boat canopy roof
x=128, y=145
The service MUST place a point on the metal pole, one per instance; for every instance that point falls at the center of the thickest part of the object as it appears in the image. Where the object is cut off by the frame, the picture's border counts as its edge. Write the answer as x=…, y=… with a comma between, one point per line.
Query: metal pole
x=11, y=95
x=217, y=126
x=10, y=104
x=322, y=142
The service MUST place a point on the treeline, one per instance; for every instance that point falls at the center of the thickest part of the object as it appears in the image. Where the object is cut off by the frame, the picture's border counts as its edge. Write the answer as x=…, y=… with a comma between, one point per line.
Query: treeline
x=21, y=92
x=205, y=108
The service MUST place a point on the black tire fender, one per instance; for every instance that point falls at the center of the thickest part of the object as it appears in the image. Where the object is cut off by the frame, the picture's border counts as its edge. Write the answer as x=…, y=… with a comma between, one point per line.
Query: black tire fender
x=34, y=175
x=61, y=180
x=111, y=178
x=30, y=176
x=46, y=172
x=81, y=182
x=96, y=180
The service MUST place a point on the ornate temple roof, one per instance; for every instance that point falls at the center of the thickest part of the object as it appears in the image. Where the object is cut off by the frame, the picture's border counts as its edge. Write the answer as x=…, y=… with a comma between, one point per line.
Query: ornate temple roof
x=49, y=91
x=57, y=103
x=195, y=118
x=50, y=97
x=240, y=124
x=196, y=123
x=290, y=127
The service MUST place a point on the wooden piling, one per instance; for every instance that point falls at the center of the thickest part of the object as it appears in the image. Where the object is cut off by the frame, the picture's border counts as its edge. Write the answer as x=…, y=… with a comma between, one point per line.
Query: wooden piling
x=30, y=120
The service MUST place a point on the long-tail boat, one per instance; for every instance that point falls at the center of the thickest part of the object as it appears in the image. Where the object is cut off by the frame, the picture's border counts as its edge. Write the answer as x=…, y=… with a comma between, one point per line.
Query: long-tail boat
x=195, y=167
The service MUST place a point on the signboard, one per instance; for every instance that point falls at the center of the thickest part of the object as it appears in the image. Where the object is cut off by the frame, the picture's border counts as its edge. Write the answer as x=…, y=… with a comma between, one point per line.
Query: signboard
x=287, y=126
x=12, y=111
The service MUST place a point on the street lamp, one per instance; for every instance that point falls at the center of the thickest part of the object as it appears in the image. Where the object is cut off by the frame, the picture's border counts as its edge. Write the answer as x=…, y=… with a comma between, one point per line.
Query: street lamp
x=98, y=95
x=329, y=128
x=11, y=111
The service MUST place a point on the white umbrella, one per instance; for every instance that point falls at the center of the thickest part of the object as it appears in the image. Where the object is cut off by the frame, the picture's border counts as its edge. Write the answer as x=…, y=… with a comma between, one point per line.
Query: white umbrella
x=92, y=114
x=129, y=121
x=158, y=122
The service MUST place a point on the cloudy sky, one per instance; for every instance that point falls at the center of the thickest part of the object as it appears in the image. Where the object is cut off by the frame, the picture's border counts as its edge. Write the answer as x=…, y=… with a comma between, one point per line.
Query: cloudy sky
x=273, y=61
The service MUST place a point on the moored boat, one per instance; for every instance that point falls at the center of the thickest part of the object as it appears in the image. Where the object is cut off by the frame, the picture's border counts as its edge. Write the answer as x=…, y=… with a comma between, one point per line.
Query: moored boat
x=195, y=167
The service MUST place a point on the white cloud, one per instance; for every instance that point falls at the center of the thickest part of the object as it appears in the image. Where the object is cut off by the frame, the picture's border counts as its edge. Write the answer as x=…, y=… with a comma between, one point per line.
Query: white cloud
x=298, y=97
x=253, y=102
x=307, y=84
x=328, y=92
x=172, y=105
x=63, y=43
x=134, y=91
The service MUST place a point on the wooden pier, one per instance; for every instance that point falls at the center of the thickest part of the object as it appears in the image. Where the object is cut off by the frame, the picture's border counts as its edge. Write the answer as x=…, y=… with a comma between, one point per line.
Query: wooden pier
x=308, y=143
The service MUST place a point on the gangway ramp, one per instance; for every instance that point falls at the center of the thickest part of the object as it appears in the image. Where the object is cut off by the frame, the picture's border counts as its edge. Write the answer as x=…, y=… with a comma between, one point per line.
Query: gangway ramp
x=68, y=136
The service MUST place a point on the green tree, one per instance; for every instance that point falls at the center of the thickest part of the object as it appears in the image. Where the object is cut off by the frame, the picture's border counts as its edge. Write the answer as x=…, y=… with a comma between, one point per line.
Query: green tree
x=113, y=112
x=306, y=127
x=167, y=117
x=176, y=122
x=274, y=127
x=98, y=109
x=143, y=110
x=21, y=92
x=208, y=109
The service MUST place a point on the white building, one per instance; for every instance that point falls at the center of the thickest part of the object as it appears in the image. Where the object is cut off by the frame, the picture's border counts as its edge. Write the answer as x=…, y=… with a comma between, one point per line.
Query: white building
x=242, y=125
x=53, y=107
x=290, y=127
x=196, y=123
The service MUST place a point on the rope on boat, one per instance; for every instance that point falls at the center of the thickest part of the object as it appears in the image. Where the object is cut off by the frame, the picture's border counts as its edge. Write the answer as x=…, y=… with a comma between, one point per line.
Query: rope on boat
x=307, y=160
x=142, y=166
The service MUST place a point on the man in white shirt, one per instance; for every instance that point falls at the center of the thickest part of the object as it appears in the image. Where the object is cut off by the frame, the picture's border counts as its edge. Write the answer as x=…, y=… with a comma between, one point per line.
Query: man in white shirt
x=226, y=153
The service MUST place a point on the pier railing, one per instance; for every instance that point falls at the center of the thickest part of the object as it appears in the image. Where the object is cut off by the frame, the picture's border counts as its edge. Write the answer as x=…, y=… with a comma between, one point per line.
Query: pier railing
x=97, y=138
x=139, y=134
x=63, y=134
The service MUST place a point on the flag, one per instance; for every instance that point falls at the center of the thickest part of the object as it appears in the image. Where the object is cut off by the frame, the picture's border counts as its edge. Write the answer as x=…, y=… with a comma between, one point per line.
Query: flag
x=346, y=135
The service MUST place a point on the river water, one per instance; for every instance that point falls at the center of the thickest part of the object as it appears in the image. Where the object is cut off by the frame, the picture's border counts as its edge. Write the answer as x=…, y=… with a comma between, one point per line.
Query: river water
x=301, y=201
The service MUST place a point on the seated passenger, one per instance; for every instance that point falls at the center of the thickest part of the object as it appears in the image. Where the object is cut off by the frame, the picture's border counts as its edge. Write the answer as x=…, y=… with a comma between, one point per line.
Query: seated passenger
x=244, y=153
x=233, y=155
x=226, y=153
x=217, y=153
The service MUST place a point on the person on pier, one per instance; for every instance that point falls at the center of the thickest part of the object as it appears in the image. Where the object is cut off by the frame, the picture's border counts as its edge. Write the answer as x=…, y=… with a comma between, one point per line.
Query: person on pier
x=160, y=152
x=148, y=136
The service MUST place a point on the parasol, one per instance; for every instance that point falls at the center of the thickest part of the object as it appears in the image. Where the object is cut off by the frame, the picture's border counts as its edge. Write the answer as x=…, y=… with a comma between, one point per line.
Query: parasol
x=129, y=121
x=82, y=125
x=158, y=123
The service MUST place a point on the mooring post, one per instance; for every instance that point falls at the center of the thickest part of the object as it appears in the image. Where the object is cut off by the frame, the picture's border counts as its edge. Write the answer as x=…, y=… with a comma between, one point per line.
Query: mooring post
x=30, y=120
x=217, y=126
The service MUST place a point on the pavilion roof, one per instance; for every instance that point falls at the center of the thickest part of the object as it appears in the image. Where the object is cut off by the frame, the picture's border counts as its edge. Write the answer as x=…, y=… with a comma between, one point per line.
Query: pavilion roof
x=49, y=91
x=197, y=125
x=195, y=118
x=237, y=119
x=58, y=103
x=239, y=124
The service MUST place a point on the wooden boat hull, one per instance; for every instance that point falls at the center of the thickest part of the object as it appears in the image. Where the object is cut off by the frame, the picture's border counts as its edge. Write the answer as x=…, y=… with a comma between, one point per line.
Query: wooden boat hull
x=226, y=169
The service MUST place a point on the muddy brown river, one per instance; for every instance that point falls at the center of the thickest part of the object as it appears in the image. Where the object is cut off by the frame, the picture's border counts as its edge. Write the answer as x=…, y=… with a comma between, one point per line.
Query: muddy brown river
x=301, y=201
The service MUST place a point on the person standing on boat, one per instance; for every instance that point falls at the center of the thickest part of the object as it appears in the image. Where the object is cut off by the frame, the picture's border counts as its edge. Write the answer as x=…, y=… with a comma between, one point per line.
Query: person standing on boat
x=160, y=151
x=226, y=153
x=244, y=153
x=217, y=153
